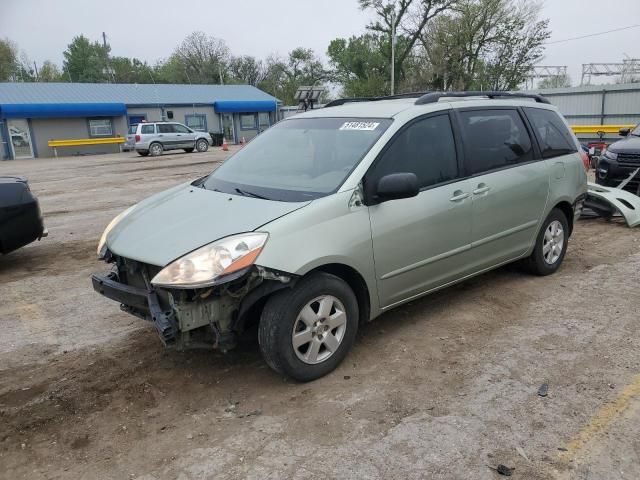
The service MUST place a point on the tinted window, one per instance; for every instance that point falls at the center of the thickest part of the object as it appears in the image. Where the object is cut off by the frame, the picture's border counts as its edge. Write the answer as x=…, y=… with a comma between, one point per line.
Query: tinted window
x=165, y=128
x=426, y=148
x=180, y=128
x=553, y=135
x=494, y=139
x=147, y=129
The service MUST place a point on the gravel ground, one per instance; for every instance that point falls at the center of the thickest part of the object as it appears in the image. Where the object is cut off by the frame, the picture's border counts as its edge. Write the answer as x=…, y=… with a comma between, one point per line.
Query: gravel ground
x=442, y=388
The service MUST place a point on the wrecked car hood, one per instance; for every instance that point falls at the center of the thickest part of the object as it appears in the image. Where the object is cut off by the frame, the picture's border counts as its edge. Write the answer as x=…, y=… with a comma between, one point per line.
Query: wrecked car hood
x=170, y=224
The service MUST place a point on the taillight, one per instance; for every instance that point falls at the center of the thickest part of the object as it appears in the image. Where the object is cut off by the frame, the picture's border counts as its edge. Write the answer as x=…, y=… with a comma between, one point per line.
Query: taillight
x=137, y=138
x=585, y=159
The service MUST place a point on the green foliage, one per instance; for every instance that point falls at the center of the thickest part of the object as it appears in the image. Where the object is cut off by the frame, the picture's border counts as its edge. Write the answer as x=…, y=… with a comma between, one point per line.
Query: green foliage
x=557, y=81
x=8, y=60
x=49, y=72
x=86, y=61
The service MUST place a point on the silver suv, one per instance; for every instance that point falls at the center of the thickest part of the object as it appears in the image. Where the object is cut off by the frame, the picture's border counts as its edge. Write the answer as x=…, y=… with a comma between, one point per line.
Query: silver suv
x=156, y=137
x=334, y=216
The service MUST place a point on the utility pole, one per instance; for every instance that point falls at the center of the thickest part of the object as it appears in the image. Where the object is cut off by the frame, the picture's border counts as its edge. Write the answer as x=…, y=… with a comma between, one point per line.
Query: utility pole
x=393, y=51
x=35, y=66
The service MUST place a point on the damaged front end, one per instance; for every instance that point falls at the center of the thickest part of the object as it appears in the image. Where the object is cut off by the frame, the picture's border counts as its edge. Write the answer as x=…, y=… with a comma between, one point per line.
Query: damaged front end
x=191, y=318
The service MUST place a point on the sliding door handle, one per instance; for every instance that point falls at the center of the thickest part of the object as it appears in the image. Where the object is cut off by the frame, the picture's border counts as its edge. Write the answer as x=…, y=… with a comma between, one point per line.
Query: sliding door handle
x=458, y=196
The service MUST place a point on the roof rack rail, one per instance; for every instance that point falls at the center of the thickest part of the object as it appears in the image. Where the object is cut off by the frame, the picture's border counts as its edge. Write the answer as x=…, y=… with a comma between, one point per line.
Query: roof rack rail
x=342, y=101
x=433, y=97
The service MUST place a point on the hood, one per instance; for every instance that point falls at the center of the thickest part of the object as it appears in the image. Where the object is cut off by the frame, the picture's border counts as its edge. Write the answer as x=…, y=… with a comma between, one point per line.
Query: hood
x=630, y=144
x=173, y=223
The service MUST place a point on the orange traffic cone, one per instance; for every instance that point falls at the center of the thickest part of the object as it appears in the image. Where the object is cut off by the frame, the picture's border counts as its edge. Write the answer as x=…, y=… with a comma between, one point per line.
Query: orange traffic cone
x=225, y=146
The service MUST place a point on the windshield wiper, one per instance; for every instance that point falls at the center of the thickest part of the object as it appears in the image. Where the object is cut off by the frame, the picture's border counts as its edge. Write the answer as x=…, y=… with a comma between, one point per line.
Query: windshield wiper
x=247, y=193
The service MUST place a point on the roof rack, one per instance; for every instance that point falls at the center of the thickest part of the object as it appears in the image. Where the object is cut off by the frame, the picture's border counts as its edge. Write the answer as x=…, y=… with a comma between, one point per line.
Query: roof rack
x=433, y=97
x=342, y=101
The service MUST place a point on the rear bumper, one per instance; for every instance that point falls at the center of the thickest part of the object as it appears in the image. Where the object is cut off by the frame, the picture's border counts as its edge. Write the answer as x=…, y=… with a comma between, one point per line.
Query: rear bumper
x=140, y=300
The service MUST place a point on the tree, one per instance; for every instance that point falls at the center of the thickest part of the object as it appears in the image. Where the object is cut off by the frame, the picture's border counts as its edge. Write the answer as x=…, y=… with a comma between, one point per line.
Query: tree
x=410, y=17
x=8, y=60
x=360, y=65
x=49, y=72
x=485, y=44
x=283, y=77
x=556, y=81
x=86, y=61
x=198, y=59
x=247, y=70
x=130, y=70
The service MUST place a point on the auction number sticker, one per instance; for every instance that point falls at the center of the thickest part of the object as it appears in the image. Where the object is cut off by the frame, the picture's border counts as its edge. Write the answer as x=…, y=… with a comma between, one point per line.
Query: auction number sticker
x=359, y=126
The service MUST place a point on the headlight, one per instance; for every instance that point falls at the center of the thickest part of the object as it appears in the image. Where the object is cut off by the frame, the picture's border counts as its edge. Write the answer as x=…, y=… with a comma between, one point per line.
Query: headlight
x=610, y=154
x=203, y=266
x=102, y=244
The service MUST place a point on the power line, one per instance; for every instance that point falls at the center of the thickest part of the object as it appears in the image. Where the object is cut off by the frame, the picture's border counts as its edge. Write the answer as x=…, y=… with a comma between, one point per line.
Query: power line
x=593, y=34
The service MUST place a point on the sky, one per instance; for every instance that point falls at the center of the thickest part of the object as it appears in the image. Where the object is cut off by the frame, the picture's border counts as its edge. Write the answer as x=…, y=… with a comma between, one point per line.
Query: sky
x=151, y=30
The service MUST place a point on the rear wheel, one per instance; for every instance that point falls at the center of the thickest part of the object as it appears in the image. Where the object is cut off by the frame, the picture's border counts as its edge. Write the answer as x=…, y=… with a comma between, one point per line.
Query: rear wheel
x=143, y=153
x=202, y=145
x=305, y=332
x=551, y=244
x=156, y=149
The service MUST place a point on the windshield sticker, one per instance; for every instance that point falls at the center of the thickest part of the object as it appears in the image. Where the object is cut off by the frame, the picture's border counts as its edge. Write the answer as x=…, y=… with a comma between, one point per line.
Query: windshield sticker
x=359, y=126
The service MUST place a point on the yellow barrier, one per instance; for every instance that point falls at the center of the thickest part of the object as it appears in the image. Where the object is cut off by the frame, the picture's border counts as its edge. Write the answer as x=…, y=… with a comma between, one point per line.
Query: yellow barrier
x=84, y=141
x=599, y=128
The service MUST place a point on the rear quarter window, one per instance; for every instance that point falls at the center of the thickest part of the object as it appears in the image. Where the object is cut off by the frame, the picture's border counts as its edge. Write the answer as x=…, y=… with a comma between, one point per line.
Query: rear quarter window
x=553, y=136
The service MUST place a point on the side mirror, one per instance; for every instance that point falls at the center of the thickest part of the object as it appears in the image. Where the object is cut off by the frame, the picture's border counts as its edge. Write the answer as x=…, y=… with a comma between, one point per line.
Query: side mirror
x=397, y=185
x=624, y=132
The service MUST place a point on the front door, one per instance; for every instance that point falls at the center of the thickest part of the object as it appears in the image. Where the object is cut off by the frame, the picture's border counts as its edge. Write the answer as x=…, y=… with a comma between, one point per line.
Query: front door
x=227, y=127
x=509, y=187
x=420, y=243
x=20, y=138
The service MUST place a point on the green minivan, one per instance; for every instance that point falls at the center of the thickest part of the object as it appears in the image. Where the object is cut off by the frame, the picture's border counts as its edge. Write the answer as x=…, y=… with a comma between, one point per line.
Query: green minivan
x=334, y=216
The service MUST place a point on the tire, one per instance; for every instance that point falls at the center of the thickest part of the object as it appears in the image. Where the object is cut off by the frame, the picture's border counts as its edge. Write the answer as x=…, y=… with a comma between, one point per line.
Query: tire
x=283, y=315
x=188, y=150
x=156, y=149
x=546, y=260
x=143, y=153
x=202, y=145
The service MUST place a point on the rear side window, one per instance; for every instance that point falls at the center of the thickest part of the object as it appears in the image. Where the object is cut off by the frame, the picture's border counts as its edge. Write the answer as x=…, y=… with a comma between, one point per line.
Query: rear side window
x=426, y=148
x=147, y=129
x=165, y=128
x=552, y=133
x=494, y=139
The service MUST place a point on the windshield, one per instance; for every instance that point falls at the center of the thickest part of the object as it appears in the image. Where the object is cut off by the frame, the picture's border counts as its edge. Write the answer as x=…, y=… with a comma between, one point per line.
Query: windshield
x=298, y=159
x=636, y=131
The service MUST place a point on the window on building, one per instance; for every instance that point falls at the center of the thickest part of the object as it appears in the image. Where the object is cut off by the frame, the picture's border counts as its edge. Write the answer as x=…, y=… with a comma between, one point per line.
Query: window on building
x=100, y=127
x=248, y=121
x=426, y=148
x=494, y=139
x=148, y=129
x=196, y=122
x=553, y=135
x=263, y=120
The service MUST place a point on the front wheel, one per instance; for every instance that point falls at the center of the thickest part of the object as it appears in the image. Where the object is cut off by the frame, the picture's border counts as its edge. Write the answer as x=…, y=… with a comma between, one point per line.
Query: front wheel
x=305, y=332
x=551, y=244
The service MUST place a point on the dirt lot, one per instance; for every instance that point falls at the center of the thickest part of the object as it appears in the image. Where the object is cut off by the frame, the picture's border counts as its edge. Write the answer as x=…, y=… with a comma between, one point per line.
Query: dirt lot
x=442, y=388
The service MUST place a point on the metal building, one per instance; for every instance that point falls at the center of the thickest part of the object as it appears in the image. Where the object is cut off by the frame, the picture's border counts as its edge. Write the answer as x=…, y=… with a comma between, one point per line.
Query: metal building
x=616, y=104
x=32, y=114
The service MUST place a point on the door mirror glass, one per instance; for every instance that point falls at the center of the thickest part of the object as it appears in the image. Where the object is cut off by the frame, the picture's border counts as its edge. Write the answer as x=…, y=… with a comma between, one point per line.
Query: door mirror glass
x=624, y=132
x=397, y=185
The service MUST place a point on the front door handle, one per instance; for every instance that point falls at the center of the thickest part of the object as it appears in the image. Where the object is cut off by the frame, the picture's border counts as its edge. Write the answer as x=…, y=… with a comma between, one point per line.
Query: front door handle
x=458, y=196
x=482, y=188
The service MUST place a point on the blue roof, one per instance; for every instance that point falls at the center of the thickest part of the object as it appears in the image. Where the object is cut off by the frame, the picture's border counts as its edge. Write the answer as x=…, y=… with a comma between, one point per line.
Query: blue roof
x=130, y=94
x=66, y=110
